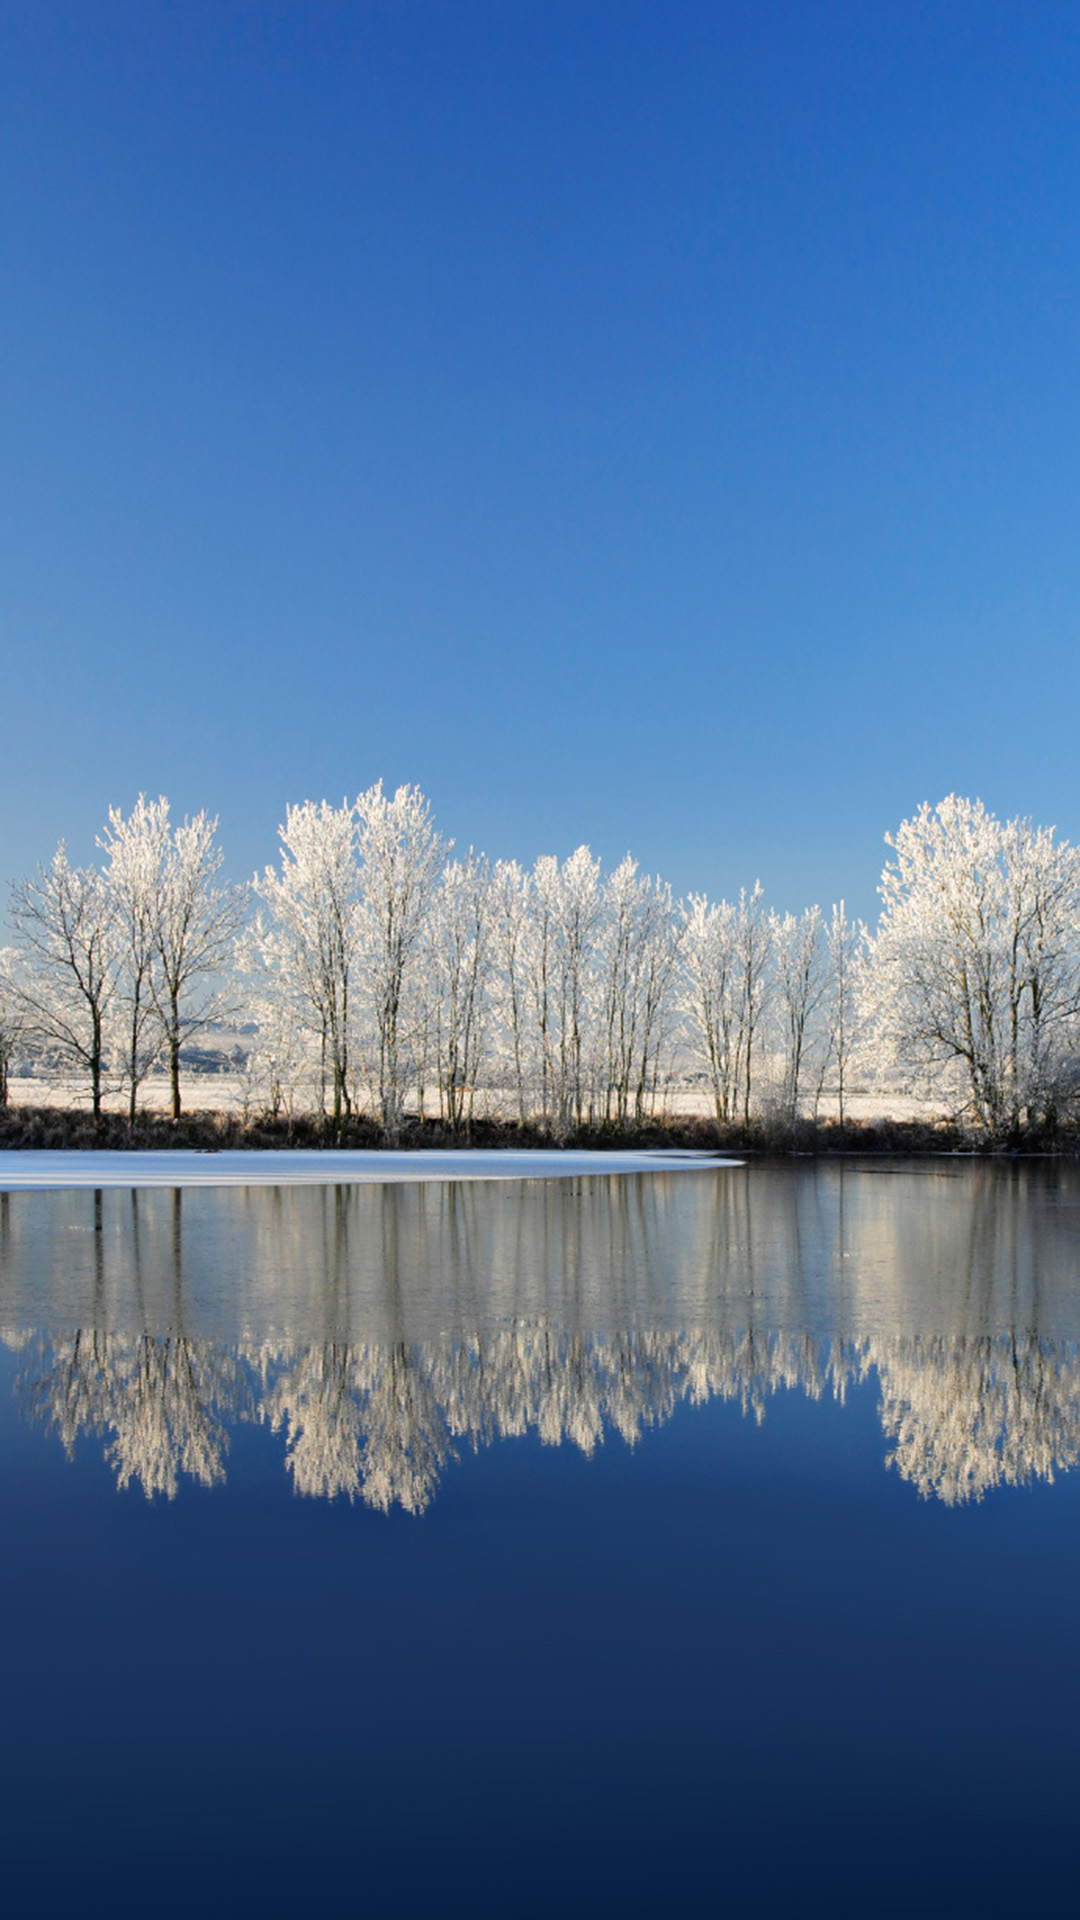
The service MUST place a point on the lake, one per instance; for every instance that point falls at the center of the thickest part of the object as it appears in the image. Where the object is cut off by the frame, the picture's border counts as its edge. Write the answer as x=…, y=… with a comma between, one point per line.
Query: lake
x=626, y=1544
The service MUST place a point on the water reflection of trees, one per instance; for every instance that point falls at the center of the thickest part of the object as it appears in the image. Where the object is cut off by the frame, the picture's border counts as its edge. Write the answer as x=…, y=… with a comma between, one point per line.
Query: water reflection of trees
x=160, y=1405
x=963, y=1415
x=571, y=1316
x=381, y=1423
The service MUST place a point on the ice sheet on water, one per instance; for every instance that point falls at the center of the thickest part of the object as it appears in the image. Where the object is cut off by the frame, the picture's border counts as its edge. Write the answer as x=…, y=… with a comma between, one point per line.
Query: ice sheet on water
x=31, y=1168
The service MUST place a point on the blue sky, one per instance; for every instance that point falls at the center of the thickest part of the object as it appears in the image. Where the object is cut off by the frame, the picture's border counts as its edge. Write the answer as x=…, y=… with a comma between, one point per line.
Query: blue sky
x=647, y=424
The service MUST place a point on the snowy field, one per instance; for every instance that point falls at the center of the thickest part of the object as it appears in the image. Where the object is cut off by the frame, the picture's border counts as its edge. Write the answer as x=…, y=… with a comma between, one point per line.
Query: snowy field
x=31, y=1169
x=228, y=1093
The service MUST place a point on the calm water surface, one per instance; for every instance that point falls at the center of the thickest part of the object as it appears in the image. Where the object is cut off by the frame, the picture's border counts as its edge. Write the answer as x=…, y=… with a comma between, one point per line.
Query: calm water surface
x=691, y=1541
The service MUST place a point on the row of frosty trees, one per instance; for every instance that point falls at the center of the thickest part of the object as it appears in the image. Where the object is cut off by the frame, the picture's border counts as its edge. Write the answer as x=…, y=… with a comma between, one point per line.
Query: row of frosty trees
x=375, y=972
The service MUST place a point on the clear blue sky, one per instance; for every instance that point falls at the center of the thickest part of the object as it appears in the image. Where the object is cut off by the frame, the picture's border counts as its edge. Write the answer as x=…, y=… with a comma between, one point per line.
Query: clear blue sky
x=650, y=424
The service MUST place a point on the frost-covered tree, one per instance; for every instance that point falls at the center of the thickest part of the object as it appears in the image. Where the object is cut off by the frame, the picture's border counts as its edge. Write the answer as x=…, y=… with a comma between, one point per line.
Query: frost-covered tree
x=799, y=988
x=459, y=959
x=710, y=1000
x=198, y=921
x=725, y=989
x=753, y=944
x=310, y=947
x=975, y=965
x=635, y=958
x=567, y=907
x=578, y=907
x=114, y=963
x=510, y=917
x=67, y=970
x=279, y=1069
x=400, y=858
x=137, y=849
x=845, y=940
x=11, y=1019
x=540, y=968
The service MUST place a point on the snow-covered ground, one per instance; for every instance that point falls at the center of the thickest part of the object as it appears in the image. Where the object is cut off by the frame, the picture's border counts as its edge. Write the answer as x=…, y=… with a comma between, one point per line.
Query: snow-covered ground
x=32, y=1168
x=226, y=1093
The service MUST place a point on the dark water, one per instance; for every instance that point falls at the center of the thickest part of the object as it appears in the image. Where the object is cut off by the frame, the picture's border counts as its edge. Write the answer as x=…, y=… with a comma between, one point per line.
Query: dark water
x=690, y=1542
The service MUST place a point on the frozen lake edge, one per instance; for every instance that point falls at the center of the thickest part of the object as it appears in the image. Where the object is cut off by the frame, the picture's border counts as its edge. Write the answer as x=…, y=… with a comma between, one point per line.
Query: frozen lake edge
x=30, y=1169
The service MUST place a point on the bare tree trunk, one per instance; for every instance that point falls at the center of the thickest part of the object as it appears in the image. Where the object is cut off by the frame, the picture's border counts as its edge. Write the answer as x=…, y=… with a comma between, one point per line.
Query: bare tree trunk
x=174, y=1071
x=95, y=1068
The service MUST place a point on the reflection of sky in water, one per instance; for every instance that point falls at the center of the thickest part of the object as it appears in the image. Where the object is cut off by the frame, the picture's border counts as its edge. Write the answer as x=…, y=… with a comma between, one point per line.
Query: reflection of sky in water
x=383, y=1332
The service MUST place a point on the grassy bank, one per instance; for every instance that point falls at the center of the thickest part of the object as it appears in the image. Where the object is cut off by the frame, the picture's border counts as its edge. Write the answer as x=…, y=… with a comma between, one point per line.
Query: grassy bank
x=55, y=1127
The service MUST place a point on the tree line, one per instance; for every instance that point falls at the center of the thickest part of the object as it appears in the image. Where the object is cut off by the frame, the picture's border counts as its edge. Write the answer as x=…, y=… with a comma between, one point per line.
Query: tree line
x=375, y=972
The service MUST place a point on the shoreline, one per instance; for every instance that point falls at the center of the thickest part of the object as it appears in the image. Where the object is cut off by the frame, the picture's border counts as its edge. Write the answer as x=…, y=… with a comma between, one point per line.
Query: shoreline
x=60, y=1129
